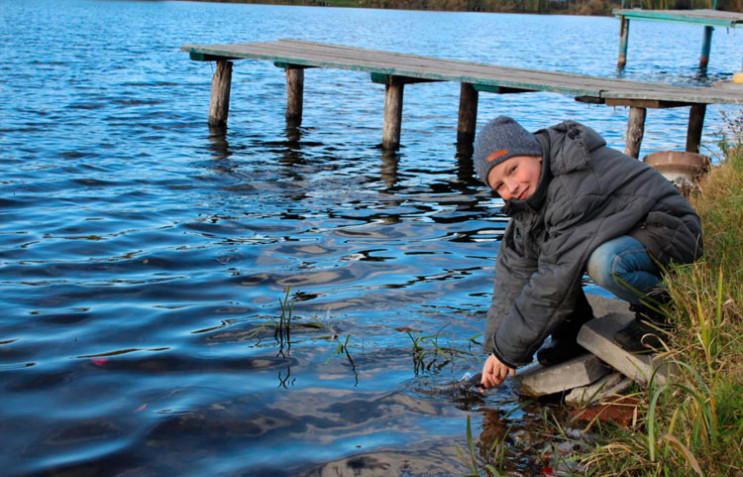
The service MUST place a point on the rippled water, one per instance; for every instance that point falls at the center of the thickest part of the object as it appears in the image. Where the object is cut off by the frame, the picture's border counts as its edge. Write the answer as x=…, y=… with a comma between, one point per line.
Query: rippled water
x=145, y=259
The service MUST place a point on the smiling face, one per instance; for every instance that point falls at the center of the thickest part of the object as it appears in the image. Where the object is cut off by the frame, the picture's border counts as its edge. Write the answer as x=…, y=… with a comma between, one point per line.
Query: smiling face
x=516, y=177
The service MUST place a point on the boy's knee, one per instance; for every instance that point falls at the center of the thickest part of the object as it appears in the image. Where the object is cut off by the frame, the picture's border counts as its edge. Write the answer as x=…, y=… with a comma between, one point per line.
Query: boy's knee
x=600, y=268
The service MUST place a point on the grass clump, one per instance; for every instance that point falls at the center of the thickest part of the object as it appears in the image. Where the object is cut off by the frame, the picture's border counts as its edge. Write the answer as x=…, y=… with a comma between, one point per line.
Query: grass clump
x=694, y=425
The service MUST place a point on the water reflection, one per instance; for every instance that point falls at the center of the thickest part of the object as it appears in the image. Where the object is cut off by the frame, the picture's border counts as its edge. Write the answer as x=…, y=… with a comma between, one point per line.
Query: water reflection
x=218, y=144
x=465, y=166
x=293, y=132
x=389, y=167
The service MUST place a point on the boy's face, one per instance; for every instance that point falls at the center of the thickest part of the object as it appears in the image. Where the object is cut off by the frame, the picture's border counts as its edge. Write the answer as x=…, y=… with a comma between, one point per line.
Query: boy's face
x=516, y=177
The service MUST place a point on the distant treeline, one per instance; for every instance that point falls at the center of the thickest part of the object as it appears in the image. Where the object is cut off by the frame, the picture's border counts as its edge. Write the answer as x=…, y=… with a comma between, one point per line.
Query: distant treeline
x=575, y=7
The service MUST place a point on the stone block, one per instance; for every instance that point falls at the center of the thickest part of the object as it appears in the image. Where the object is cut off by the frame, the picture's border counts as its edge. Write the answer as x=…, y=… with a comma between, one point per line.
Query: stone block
x=610, y=385
x=597, y=336
x=604, y=306
x=539, y=380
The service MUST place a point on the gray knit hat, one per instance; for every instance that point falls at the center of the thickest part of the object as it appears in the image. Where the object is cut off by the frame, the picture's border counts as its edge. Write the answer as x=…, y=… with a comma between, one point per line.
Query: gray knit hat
x=501, y=139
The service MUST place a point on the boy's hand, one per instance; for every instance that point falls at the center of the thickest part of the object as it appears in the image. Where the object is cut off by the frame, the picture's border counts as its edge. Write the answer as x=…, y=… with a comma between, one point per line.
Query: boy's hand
x=494, y=372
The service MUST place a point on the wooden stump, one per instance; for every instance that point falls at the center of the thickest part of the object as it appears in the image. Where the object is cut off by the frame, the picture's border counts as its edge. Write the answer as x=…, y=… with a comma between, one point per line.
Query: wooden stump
x=706, y=47
x=394, y=88
x=219, y=104
x=467, y=124
x=294, y=95
x=694, y=131
x=623, y=41
x=635, y=131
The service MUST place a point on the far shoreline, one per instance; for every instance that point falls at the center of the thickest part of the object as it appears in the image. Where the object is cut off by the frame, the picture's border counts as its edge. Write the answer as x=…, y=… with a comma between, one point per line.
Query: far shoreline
x=538, y=7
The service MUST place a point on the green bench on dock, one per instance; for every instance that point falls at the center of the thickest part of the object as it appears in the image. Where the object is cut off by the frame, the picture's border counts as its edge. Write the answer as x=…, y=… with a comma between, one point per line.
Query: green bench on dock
x=705, y=17
x=395, y=70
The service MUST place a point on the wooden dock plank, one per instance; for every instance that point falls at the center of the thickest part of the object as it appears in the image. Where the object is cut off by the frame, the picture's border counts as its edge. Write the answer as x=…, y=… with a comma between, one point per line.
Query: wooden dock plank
x=700, y=17
x=395, y=70
x=707, y=18
x=357, y=59
x=312, y=54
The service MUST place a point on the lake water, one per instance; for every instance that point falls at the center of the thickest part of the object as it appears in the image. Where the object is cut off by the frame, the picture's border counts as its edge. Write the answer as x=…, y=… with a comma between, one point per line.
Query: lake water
x=145, y=259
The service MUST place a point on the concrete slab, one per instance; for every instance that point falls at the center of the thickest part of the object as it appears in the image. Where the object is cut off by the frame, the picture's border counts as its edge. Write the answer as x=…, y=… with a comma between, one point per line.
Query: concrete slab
x=604, y=306
x=539, y=380
x=597, y=337
x=610, y=385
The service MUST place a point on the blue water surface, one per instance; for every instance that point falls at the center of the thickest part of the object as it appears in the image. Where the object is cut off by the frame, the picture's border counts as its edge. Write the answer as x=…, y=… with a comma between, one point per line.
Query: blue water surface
x=146, y=260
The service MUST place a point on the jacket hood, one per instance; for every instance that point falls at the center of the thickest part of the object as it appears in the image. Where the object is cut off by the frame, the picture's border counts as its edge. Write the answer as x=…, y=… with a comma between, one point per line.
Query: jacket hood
x=572, y=144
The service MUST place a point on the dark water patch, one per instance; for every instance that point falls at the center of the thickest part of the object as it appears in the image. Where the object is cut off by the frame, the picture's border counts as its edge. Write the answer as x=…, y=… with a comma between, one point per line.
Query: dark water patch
x=87, y=106
x=136, y=102
x=149, y=291
x=152, y=84
x=78, y=154
x=38, y=380
x=66, y=319
x=175, y=363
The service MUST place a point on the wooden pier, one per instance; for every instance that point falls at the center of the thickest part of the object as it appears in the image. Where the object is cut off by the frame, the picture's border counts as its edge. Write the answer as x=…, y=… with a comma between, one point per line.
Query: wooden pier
x=395, y=70
x=707, y=18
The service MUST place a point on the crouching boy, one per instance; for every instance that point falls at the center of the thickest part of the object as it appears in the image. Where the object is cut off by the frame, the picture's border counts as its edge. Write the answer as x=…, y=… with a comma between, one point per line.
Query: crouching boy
x=576, y=206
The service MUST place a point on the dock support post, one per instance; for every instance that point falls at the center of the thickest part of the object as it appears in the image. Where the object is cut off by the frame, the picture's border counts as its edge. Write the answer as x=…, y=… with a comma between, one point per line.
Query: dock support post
x=706, y=47
x=394, y=87
x=623, y=41
x=635, y=131
x=219, y=104
x=294, y=95
x=467, y=123
x=694, y=131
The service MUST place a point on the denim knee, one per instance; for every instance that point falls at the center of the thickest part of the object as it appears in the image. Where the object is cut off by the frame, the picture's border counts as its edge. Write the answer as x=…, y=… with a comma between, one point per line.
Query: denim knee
x=624, y=267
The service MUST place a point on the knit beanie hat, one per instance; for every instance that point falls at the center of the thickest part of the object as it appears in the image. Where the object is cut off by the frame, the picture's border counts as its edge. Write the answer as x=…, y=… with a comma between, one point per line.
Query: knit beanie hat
x=501, y=139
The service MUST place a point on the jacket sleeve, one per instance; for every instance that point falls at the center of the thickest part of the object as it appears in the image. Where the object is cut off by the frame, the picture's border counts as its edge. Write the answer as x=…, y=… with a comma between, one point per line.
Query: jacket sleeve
x=548, y=292
x=512, y=272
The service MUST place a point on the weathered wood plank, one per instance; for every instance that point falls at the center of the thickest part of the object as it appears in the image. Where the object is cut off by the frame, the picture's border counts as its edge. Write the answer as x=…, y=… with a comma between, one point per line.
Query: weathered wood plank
x=219, y=104
x=410, y=66
x=635, y=131
x=645, y=103
x=501, y=79
x=467, y=123
x=694, y=130
x=294, y=95
x=623, y=41
x=392, y=113
x=397, y=69
x=702, y=16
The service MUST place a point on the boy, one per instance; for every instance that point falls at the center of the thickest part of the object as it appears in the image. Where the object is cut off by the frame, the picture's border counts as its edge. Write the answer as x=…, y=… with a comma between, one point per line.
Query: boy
x=576, y=206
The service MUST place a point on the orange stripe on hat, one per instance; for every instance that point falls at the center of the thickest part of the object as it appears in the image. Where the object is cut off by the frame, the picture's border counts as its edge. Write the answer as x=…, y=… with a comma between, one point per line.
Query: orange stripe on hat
x=496, y=155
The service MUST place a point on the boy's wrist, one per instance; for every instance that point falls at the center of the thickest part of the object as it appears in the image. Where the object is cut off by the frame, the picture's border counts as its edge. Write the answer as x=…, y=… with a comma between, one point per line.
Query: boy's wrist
x=498, y=355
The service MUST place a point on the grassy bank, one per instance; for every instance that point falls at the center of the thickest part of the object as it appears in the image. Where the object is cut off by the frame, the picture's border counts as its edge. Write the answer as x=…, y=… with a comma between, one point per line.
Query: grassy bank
x=695, y=425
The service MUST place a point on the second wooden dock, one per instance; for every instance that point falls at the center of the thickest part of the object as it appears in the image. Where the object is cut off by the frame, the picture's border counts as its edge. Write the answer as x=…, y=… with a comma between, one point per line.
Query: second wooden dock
x=707, y=18
x=395, y=70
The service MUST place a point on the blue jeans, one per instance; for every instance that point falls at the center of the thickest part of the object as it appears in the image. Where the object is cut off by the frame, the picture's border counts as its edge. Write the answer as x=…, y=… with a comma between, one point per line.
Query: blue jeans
x=624, y=267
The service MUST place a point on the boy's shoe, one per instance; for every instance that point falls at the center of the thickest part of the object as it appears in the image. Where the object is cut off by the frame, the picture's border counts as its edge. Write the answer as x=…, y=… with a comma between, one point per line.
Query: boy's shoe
x=558, y=351
x=638, y=337
x=646, y=333
x=564, y=344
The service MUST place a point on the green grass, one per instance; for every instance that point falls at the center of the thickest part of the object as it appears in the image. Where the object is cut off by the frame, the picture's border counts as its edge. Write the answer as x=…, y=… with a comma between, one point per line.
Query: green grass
x=694, y=426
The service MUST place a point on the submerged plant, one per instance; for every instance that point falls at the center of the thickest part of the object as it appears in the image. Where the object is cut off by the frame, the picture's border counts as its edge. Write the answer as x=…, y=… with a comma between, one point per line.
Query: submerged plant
x=429, y=356
x=342, y=350
x=284, y=323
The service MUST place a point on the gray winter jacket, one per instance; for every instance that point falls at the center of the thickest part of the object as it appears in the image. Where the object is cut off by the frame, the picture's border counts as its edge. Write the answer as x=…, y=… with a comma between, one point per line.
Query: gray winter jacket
x=588, y=194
